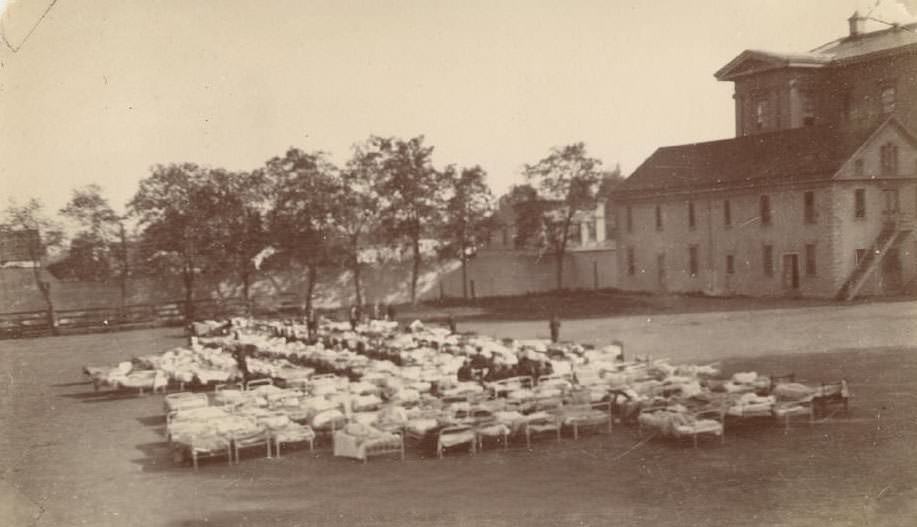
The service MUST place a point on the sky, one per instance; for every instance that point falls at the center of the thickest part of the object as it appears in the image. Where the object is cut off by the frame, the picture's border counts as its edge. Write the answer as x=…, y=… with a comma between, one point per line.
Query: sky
x=100, y=91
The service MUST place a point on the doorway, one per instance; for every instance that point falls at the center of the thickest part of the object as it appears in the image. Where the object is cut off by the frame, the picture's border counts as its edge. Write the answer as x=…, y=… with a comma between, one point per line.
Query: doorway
x=891, y=273
x=791, y=272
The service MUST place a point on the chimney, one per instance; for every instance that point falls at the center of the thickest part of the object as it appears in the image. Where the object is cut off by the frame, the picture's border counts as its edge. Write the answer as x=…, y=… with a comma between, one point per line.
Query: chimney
x=857, y=24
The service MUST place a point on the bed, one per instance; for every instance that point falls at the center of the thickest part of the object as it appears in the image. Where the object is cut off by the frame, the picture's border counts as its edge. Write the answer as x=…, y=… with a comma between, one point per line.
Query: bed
x=455, y=435
x=359, y=441
x=677, y=422
x=595, y=416
x=541, y=423
x=828, y=394
x=283, y=430
x=174, y=402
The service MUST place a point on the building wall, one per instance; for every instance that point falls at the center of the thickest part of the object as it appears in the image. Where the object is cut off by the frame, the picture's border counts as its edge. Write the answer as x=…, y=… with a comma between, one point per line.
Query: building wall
x=504, y=273
x=744, y=239
x=850, y=95
x=783, y=90
x=844, y=95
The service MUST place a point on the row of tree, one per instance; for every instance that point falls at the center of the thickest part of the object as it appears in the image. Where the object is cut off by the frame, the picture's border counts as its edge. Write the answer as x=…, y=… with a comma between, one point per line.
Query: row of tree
x=300, y=210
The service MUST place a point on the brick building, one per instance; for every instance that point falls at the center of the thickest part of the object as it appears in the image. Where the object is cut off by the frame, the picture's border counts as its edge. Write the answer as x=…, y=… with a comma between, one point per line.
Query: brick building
x=816, y=195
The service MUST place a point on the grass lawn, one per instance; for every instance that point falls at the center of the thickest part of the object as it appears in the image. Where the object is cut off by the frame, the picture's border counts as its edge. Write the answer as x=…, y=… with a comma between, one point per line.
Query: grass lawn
x=71, y=456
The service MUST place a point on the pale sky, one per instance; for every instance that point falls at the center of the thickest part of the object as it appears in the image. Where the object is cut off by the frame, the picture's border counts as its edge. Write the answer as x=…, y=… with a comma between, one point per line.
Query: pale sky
x=103, y=89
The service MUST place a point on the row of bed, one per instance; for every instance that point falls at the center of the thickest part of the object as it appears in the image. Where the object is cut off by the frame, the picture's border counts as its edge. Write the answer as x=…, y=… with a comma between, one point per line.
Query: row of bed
x=336, y=390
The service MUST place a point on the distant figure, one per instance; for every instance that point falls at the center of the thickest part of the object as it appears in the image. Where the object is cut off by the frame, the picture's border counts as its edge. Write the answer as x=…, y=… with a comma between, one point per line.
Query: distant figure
x=312, y=324
x=452, y=325
x=390, y=313
x=354, y=316
x=239, y=353
x=377, y=311
x=554, y=325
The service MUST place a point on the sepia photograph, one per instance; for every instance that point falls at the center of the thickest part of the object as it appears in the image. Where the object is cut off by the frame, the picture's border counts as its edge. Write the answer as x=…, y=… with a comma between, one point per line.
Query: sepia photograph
x=498, y=263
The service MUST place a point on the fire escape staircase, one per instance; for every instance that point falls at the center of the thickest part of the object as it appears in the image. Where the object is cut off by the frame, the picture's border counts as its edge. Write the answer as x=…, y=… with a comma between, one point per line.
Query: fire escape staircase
x=890, y=236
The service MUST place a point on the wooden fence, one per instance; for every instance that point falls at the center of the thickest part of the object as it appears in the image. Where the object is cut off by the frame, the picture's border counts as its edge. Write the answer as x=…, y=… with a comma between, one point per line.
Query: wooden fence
x=34, y=323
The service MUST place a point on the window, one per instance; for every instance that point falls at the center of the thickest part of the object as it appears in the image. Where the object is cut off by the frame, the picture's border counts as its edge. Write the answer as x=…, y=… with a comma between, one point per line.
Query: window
x=858, y=168
x=730, y=264
x=808, y=200
x=765, y=205
x=590, y=231
x=810, y=260
x=888, y=154
x=868, y=110
x=692, y=260
x=859, y=203
x=850, y=108
x=891, y=200
x=859, y=255
x=658, y=217
x=630, y=219
x=808, y=109
x=575, y=235
x=768, y=260
x=631, y=262
x=762, y=114
x=889, y=100
x=727, y=213
x=691, y=220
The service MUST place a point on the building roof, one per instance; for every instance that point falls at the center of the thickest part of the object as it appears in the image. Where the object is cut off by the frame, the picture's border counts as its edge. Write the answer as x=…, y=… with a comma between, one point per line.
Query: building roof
x=844, y=50
x=796, y=155
x=867, y=44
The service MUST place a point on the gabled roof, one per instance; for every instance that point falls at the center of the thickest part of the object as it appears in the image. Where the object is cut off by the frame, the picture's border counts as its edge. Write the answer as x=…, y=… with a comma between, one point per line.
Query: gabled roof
x=797, y=155
x=848, y=49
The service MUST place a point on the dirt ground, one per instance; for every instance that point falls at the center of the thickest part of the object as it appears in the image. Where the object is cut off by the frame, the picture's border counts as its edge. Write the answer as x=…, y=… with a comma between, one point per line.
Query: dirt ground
x=71, y=456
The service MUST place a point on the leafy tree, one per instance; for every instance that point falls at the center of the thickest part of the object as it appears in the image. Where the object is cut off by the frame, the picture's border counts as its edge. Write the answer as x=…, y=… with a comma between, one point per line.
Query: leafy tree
x=234, y=203
x=407, y=185
x=357, y=214
x=301, y=224
x=609, y=180
x=99, y=250
x=567, y=176
x=172, y=209
x=468, y=210
x=39, y=235
x=528, y=211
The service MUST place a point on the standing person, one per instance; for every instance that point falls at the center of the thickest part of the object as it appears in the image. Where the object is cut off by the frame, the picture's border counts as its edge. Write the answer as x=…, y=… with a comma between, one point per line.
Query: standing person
x=354, y=316
x=554, y=325
x=390, y=313
x=452, y=324
x=312, y=324
x=377, y=311
x=239, y=353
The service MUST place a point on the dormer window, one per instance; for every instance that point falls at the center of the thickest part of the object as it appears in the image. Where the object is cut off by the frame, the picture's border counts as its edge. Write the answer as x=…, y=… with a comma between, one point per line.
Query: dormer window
x=762, y=113
x=808, y=109
x=889, y=100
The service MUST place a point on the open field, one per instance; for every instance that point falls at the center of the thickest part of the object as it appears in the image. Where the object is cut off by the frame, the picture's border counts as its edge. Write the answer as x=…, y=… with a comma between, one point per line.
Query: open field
x=71, y=456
